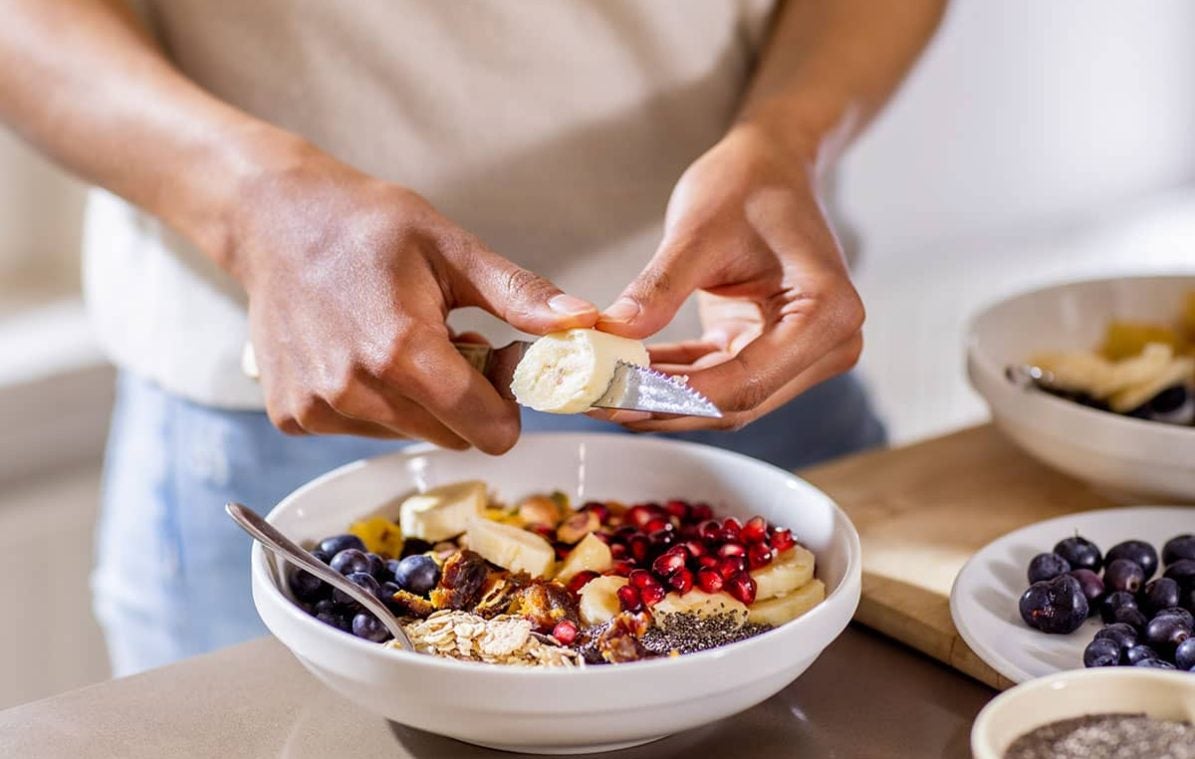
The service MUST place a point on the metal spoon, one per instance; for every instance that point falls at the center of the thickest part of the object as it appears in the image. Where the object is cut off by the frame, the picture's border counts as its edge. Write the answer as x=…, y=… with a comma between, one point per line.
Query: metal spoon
x=1028, y=375
x=269, y=536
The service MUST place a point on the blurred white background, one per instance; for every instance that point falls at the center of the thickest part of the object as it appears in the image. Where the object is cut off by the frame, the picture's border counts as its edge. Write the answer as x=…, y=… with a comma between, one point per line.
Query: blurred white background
x=1035, y=142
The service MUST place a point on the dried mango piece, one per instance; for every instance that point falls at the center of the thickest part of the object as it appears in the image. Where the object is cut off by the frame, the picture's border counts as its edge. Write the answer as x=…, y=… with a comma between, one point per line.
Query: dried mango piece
x=1124, y=339
x=380, y=535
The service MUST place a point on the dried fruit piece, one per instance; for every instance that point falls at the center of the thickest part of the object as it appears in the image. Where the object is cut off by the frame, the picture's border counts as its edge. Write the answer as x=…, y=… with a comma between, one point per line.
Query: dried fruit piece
x=462, y=579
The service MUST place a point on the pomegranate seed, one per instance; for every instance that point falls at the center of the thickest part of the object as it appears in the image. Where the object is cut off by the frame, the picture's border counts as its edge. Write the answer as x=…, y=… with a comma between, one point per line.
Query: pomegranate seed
x=565, y=632
x=579, y=580
x=677, y=508
x=742, y=587
x=782, y=540
x=732, y=549
x=639, y=547
x=662, y=538
x=701, y=511
x=709, y=580
x=731, y=529
x=639, y=516
x=668, y=563
x=756, y=530
x=682, y=581
x=729, y=566
x=622, y=568
x=695, y=548
x=625, y=532
x=640, y=578
x=707, y=561
x=543, y=530
x=657, y=524
x=652, y=594
x=629, y=598
x=709, y=529
x=562, y=551
x=601, y=509
x=618, y=551
x=759, y=555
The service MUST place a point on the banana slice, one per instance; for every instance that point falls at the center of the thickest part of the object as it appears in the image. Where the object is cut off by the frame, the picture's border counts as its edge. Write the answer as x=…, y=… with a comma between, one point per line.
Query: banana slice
x=777, y=611
x=443, y=512
x=787, y=572
x=590, y=554
x=566, y=372
x=1179, y=371
x=599, y=599
x=698, y=602
x=511, y=547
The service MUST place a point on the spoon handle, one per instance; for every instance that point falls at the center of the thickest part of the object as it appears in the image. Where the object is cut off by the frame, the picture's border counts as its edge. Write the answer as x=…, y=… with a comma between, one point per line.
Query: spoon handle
x=269, y=536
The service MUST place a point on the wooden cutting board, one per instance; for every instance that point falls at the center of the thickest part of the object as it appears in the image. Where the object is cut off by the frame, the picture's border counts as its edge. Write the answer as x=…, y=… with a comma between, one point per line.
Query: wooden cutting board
x=923, y=510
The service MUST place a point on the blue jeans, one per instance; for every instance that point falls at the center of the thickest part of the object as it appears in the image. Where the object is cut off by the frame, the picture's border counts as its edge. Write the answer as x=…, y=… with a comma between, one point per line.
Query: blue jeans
x=172, y=573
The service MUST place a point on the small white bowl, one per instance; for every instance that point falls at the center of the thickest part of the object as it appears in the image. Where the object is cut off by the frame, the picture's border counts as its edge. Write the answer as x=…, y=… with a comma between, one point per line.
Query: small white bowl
x=1153, y=692
x=1131, y=457
x=561, y=711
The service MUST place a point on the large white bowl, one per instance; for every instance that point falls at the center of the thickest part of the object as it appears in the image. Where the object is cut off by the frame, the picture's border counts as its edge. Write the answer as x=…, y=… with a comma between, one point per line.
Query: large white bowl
x=560, y=711
x=1126, y=455
x=1125, y=690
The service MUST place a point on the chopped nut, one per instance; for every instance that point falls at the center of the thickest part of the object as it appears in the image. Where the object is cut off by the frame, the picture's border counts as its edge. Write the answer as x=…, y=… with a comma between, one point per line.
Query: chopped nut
x=577, y=526
x=539, y=509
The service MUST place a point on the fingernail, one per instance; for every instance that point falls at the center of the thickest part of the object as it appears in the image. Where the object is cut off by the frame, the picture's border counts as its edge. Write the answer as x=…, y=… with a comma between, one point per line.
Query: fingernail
x=569, y=305
x=622, y=310
x=627, y=417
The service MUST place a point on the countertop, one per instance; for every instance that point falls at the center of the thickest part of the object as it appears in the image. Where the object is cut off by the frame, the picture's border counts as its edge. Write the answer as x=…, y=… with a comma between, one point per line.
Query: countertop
x=866, y=697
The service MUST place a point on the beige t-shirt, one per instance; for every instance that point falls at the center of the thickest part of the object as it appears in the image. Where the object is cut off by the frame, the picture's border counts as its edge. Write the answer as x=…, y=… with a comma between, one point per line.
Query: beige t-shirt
x=552, y=129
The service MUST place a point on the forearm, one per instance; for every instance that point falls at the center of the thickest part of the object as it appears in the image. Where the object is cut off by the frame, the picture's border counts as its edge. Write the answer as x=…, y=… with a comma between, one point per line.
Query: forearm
x=830, y=65
x=84, y=82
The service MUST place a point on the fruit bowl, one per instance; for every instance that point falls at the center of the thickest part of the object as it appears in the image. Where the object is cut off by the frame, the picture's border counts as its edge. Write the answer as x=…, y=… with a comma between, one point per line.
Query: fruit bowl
x=1128, y=456
x=555, y=711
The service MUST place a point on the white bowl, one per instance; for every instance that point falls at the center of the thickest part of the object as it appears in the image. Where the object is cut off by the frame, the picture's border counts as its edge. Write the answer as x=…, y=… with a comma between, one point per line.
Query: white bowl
x=1156, y=693
x=561, y=711
x=1129, y=456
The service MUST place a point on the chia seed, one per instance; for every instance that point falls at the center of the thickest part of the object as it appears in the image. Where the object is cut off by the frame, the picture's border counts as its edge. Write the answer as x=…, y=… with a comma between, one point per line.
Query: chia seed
x=688, y=633
x=1107, y=736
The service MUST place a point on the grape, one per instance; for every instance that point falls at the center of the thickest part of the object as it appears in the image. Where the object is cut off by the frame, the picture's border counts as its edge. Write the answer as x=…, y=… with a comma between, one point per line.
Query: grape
x=362, y=579
x=1114, y=601
x=1047, y=566
x=338, y=543
x=1164, y=634
x=306, y=586
x=1092, y=585
x=1184, y=655
x=1137, y=551
x=350, y=560
x=1182, y=572
x=1184, y=617
x=1159, y=594
x=1131, y=616
x=1155, y=663
x=1123, y=635
x=367, y=626
x=1080, y=553
x=1179, y=547
x=1054, y=606
x=1122, y=574
x=1101, y=652
x=417, y=574
x=1139, y=653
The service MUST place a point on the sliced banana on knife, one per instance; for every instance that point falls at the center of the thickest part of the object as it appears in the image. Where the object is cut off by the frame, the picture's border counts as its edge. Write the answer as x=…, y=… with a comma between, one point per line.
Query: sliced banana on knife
x=567, y=372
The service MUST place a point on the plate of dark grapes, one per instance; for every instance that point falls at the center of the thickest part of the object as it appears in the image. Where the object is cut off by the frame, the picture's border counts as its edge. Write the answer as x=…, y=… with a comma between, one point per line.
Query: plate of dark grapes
x=1104, y=588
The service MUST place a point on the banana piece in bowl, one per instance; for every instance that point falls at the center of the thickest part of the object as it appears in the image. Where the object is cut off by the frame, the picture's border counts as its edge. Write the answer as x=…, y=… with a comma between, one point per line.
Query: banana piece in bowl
x=567, y=372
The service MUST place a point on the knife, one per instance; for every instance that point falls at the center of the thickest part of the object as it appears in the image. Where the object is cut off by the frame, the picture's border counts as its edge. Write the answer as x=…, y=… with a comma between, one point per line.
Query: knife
x=633, y=388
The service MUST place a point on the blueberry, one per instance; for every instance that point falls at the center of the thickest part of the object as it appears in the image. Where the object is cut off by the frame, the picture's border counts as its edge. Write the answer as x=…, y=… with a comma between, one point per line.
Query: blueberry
x=1182, y=572
x=1188, y=601
x=1121, y=634
x=350, y=560
x=338, y=543
x=1122, y=574
x=377, y=566
x=325, y=606
x=1155, y=663
x=1047, y=566
x=1101, y=652
x=1080, y=553
x=389, y=588
x=1164, y=634
x=1114, y=601
x=1172, y=405
x=1159, y=594
x=323, y=556
x=1092, y=585
x=417, y=574
x=1139, y=653
x=1054, y=606
x=306, y=586
x=362, y=579
x=335, y=619
x=1184, y=655
x=1184, y=617
x=1137, y=551
x=1179, y=547
x=1131, y=616
x=367, y=626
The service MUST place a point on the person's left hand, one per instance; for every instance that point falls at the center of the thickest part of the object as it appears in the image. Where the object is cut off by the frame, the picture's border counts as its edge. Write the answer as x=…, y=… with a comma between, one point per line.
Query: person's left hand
x=744, y=227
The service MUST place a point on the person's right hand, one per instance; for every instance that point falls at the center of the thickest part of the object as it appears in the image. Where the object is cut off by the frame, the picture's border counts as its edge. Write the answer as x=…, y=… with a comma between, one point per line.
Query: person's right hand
x=350, y=280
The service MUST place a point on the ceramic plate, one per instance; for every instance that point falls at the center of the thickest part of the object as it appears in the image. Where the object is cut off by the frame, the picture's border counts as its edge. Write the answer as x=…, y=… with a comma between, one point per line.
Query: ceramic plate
x=983, y=601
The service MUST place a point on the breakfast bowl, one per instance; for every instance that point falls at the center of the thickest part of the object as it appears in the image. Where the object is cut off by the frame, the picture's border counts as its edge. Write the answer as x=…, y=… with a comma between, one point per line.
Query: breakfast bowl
x=1127, y=456
x=1069, y=695
x=565, y=710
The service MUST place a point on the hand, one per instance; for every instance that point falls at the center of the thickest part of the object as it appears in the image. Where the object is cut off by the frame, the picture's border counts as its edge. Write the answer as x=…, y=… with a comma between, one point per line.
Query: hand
x=350, y=280
x=744, y=227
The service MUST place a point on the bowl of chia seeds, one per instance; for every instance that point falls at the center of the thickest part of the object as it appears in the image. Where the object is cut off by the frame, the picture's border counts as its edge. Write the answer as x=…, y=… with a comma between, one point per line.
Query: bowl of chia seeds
x=1111, y=713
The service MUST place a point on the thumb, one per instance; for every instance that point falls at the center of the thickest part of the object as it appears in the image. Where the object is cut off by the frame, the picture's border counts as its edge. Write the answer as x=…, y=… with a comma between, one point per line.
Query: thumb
x=521, y=298
x=650, y=302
